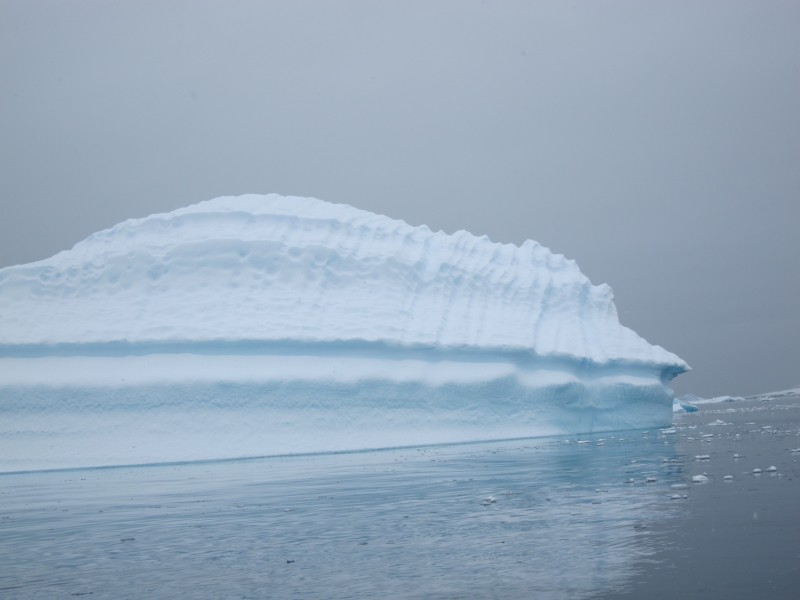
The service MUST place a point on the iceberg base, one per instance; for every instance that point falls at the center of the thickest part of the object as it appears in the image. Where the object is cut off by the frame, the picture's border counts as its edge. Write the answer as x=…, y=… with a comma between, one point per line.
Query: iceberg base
x=117, y=410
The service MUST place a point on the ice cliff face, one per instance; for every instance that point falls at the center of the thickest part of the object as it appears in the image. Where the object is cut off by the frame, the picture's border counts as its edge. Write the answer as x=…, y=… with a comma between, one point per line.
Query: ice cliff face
x=268, y=314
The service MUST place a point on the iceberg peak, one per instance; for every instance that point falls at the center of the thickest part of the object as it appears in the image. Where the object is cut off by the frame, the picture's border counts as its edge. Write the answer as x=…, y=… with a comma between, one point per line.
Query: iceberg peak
x=275, y=268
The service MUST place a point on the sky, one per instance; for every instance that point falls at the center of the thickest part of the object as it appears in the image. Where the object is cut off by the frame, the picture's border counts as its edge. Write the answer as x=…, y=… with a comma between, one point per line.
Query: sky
x=656, y=143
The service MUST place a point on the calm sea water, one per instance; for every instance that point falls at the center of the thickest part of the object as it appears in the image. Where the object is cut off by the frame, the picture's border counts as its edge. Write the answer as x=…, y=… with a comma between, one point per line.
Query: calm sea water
x=542, y=518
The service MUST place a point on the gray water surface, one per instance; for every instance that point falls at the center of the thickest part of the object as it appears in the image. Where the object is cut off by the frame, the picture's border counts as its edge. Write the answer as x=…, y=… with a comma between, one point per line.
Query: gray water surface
x=541, y=518
x=740, y=537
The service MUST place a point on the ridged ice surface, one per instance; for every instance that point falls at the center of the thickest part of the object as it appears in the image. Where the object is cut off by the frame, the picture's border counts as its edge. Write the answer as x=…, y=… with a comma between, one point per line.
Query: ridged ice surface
x=266, y=325
x=273, y=268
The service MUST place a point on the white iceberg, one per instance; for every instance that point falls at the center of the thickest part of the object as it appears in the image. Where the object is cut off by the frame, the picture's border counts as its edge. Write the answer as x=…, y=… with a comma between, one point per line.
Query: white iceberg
x=261, y=325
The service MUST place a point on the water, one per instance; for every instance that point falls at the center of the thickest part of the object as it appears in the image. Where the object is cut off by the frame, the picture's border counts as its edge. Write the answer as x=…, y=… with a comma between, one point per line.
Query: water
x=740, y=537
x=544, y=518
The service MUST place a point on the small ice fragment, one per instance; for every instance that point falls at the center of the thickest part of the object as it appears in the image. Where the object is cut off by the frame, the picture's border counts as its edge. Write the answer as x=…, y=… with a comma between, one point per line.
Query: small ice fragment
x=756, y=471
x=639, y=525
x=736, y=455
x=678, y=497
x=629, y=480
x=699, y=479
x=707, y=435
x=728, y=477
x=679, y=486
x=772, y=469
x=702, y=457
x=583, y=441
x=489, y=500
x=650, y=479
x=669, y=431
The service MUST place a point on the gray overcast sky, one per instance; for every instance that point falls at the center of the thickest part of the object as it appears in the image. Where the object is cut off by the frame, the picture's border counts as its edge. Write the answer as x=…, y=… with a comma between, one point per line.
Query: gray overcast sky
x=656, y=143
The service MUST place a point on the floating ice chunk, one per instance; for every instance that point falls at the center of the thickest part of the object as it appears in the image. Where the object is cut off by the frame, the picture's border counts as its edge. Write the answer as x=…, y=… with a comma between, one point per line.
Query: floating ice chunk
x=679, y=486
x=669, y=431
x=728, y=477
x=650, y=479
x=685, y=404
x=699, y=479
x=717, y=423
x=736, y=455
x=702, y=457
x=489, y=500
x=756, y=471
x=718, y=399
x=772, y=469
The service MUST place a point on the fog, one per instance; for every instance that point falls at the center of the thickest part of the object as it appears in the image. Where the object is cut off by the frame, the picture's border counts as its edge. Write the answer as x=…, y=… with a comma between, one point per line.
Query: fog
x=657, y=144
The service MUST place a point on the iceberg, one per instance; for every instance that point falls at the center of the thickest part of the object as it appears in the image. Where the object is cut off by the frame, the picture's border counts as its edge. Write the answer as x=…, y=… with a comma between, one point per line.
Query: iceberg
x=268, y=325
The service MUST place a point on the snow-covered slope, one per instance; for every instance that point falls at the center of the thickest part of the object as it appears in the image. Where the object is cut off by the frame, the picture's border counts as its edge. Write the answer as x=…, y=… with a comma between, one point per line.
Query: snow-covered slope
x=284, y=301
x=274, y=268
